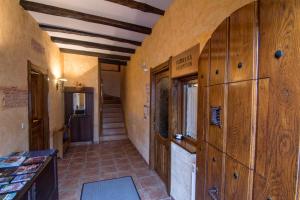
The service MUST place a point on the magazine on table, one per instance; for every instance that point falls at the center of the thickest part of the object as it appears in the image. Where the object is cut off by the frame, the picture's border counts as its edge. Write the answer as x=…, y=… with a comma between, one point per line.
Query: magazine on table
x=5, y=180
x=6, y=172
x=27, y=169
x=13, y=161
x=13, y=187
x=23, y=177
x=9, y=196
x=35, y=160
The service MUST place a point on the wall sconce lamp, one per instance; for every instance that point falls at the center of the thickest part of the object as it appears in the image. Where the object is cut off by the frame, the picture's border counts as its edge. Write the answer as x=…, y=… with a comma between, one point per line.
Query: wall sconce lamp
x=60, y=82
x=144, y=67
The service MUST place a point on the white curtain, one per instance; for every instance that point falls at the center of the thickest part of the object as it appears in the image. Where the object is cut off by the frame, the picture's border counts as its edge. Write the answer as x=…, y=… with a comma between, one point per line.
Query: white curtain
x=191, y=111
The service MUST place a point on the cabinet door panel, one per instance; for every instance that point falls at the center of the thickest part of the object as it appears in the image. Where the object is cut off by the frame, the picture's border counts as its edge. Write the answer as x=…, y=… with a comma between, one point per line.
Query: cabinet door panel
x=238, y=181
x=219, y=39
x=201, y=171
x=204, y=65
x=215, y=173
x=241, y=121
x=217, y=100
x=242, y=44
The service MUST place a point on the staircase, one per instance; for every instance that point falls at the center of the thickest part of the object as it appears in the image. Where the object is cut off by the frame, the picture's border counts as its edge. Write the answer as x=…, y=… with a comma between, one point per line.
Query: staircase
x=113, y=126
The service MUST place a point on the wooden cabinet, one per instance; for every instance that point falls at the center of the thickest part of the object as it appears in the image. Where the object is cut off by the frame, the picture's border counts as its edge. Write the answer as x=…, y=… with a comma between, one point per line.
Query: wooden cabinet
x=204, y=65
x=217, y=132
x=215, y=174
x=241, y=119
x=238, y=181
x=81, y=125
x=242, y=44
x=219, y=54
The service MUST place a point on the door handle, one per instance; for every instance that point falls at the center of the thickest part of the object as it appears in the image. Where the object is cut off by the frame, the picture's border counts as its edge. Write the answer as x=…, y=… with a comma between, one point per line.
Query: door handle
x=213, y=193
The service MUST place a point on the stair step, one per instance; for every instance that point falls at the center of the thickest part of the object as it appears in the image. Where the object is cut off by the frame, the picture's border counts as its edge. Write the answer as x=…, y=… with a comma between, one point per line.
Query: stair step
x=108, y=115
x=114, y=125
x=111, y=101
x=112, y=110
x=111, y=106
x=113, y=137
x=113, y=120
x=113, y=131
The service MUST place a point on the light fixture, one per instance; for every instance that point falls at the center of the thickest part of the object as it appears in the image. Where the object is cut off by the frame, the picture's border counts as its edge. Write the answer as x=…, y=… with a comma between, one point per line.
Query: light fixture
x=60, y=82
x=144, y=67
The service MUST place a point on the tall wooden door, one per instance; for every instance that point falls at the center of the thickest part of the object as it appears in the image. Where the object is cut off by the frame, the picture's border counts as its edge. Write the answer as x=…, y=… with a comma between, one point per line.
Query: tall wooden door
x=161, y=123
x=38, y=109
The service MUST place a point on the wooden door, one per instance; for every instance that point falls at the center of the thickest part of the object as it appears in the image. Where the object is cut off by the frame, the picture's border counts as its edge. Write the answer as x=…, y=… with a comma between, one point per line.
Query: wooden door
x=238, y=181
x=219, y=54
x=242, y=44
x=161, y=123
x=218, y=109
x=215, y=174
x=241, y=121
x=204, y=65
x=278, y=133
x=38, y=109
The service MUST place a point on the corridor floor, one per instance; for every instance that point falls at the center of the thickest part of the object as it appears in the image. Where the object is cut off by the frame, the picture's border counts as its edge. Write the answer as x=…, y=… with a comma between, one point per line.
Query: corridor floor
x=90, y=163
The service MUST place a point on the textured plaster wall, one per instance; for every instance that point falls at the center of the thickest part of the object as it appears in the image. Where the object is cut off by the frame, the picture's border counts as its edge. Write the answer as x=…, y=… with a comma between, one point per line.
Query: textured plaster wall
x=111, y=83
x=84, y=69
x=22, y=40
x=185, y=24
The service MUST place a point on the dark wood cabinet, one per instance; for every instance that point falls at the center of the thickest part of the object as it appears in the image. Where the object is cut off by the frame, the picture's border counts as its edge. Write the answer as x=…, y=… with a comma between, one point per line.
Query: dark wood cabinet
x=80, y=124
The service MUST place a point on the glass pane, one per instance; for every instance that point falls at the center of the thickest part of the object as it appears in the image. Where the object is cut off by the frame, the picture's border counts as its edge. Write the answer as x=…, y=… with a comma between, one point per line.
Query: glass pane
x=79, y=103
x=161, y=107
x=190, y=100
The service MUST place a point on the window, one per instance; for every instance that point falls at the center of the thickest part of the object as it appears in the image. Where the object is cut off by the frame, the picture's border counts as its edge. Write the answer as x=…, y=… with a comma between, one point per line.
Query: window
x=189, y=108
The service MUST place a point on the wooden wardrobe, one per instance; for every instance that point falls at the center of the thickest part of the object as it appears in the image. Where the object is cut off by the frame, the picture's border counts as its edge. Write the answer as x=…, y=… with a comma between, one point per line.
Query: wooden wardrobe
x=249, y=105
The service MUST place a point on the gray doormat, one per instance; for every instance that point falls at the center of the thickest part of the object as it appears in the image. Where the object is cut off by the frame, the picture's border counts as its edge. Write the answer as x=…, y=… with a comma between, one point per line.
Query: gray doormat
x=113, y=189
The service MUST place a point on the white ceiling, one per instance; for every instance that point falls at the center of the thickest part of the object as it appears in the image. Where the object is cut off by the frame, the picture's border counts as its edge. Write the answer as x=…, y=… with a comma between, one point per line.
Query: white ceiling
x=104, y=9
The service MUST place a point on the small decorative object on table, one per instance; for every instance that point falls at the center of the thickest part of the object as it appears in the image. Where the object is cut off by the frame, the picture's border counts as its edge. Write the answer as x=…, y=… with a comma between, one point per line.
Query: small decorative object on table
x=179, y=136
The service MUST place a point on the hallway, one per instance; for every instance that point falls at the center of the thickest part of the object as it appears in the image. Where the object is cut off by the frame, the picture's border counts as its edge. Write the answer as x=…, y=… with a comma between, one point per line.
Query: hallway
x=107, y=160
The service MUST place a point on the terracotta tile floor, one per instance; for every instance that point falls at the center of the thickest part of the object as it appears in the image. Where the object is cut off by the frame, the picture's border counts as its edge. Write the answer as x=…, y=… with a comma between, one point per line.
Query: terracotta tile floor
x=105, y=161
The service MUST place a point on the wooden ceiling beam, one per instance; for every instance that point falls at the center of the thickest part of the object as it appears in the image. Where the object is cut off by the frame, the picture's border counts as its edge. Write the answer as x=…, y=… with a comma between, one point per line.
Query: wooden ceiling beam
x=56, y=11
x=84, y=33
x=95, y=54
x=113, y=62
x=139, y=6
x=92, y=45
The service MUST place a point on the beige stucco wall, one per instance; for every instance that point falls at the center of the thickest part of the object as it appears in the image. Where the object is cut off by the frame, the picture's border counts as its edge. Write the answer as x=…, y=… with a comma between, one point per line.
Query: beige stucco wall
x=84, y=69
x=185, y=24
x=17, y=31
x=111, y=83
